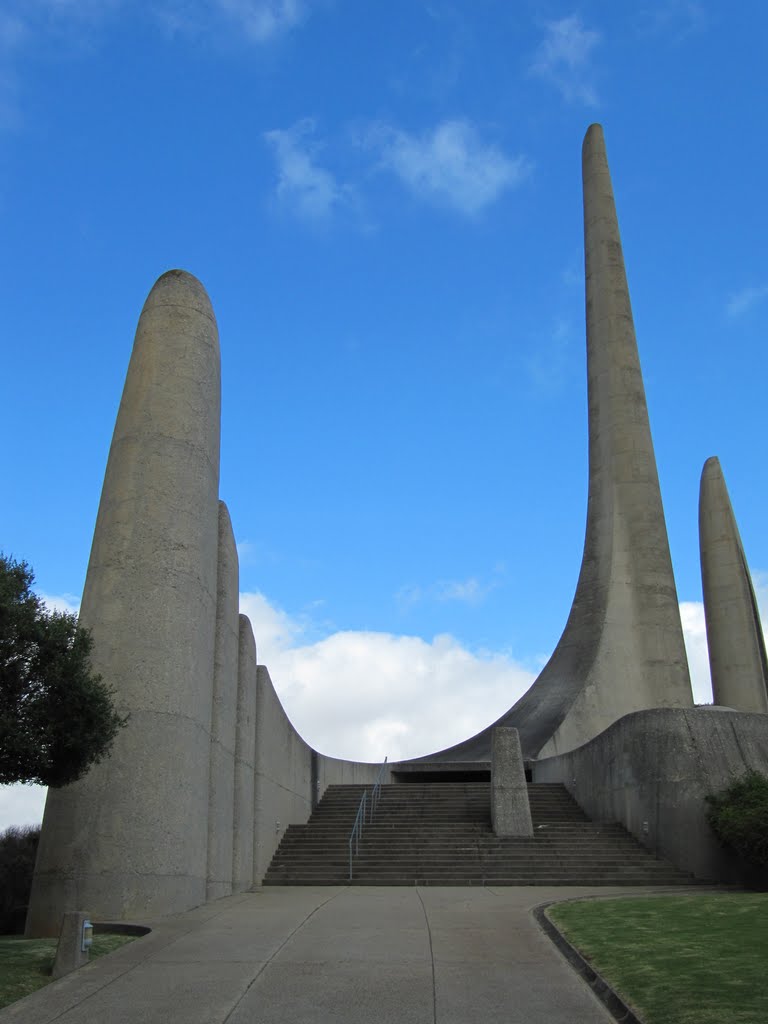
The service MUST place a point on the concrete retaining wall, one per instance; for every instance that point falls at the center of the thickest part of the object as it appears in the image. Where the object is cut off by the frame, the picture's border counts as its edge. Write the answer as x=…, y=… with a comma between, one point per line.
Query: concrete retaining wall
x=651, y=771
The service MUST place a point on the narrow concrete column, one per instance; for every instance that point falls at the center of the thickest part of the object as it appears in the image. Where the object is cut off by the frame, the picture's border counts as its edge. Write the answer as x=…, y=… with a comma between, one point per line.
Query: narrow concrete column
x=245, y=742
x=130, y=839
x=264, y=830
x=510, y=807
x=737, y=658
x=70, y=954
x=221, y=795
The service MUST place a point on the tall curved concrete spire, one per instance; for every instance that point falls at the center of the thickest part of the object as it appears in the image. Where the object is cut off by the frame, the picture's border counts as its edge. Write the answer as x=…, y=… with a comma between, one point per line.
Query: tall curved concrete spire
x=119, y=843
x=622, y=648
x=737, y=658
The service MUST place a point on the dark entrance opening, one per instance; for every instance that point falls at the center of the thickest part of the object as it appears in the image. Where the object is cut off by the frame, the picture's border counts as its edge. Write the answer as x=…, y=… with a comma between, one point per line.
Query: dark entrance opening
x=449, y=775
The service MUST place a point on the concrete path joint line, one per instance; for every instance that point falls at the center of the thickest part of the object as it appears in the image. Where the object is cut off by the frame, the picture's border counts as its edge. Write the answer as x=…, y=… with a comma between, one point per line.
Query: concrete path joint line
x=431, y=957
x=276, y=953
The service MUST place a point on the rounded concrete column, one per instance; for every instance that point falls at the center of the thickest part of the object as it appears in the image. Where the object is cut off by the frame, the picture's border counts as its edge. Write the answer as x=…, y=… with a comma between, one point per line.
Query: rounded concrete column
x=737, y=657
x=130, y=839
x=245, y=750
x=222, y=785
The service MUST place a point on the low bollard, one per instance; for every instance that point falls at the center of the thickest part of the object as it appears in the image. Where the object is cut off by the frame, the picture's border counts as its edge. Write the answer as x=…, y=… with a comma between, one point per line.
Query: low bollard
x=75, y=940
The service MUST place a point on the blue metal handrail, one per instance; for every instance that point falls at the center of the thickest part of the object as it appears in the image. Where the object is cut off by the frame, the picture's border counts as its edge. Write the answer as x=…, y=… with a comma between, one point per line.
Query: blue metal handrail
x=357, y=829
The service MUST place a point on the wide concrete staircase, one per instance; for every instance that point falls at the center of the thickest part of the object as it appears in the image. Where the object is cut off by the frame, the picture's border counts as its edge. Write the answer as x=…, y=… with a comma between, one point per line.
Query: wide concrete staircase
x=440, y=834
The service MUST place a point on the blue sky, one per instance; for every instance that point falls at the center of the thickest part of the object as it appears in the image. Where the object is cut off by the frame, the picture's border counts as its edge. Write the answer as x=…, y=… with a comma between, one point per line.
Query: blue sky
x=384, y=203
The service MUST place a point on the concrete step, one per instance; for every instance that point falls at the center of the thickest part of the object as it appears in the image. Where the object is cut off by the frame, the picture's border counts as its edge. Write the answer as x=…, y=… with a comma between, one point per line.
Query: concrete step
x=440, y=834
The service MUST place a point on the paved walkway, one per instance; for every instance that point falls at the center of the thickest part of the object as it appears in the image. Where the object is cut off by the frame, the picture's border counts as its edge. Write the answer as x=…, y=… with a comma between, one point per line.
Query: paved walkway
x=295, y=955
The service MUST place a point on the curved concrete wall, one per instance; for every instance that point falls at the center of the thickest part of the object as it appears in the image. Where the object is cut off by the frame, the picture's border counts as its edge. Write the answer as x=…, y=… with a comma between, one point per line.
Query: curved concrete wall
x=734, y=632
x=119, y=842
x=290, y=776
x=221, y=792
x=652, y=770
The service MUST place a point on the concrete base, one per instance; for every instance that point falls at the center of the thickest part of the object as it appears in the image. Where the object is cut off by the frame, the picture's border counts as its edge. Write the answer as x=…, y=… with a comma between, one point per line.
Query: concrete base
x=510, y=809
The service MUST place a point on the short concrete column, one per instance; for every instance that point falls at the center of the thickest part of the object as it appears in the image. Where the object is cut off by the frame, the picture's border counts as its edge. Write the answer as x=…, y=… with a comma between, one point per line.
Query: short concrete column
x=70, y=953
x=510, y=810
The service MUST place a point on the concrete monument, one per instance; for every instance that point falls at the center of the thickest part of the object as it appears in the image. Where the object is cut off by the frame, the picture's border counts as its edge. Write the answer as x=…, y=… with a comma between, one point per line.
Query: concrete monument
x=737, y=657
x=180, y=812
x=622, y=648
x=209, y=772
x=119, y=841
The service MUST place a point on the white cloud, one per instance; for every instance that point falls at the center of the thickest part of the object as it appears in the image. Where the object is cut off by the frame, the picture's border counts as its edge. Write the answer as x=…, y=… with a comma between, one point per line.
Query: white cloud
x=246, y=551
x=21, y=805
x=742, y=301
x=61, y=602
x=675, y=18
x=549, y=362
x=274, y=630
x=262, y=20
x=469, y=591
x=258, y=21
x=307, y=189
x=363, y=695
x=564, y=59
x=450, y=165
x=695, y=636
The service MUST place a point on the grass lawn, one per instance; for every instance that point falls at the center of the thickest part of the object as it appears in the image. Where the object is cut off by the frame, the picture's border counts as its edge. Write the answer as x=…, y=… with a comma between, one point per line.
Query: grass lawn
x=25, y=964
x=692, y=959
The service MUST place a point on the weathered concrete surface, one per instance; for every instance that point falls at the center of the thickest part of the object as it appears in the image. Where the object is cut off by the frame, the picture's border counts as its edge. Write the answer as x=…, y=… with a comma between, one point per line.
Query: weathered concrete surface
x=283, y=778
x=652, y=770
x=221, y=793
x=245, y=758
x=737, y=657
x=622, y=648
x=290, y=776
x=131, y=838
x=510, y=809
x=305, y=955
x=70, y=955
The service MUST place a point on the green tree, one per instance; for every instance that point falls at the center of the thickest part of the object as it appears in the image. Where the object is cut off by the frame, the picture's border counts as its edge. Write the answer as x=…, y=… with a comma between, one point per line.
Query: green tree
x=57, y=718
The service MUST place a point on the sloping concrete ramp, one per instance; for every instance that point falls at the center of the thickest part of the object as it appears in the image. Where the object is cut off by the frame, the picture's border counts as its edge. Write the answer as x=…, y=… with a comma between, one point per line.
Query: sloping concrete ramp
x=334, y=956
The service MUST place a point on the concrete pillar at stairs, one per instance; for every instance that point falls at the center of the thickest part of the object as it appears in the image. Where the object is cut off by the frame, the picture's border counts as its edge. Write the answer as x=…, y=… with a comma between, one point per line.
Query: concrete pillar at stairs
x=510, y=810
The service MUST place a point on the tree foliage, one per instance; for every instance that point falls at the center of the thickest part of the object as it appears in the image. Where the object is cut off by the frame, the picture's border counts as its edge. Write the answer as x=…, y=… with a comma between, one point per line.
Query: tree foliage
x=56, y=716
x=739, y=817
x=18, y=849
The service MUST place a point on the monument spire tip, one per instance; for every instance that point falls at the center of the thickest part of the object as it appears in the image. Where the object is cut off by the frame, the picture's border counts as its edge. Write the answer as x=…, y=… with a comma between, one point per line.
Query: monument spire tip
x=593, y=138
x=180, y=288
